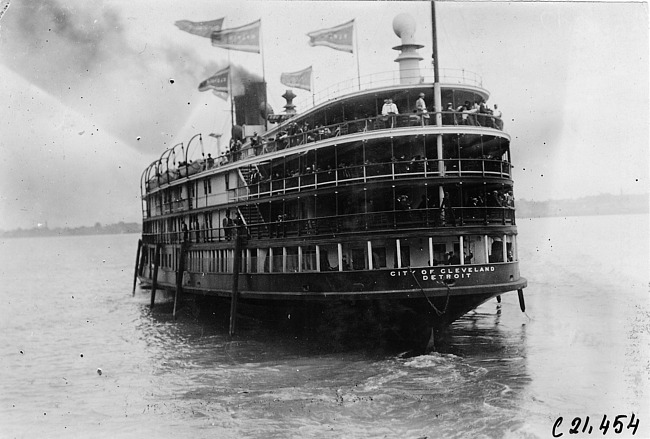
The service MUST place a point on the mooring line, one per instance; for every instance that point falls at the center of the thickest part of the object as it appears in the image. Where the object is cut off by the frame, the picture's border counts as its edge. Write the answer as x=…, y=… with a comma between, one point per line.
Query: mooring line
x=427, y=297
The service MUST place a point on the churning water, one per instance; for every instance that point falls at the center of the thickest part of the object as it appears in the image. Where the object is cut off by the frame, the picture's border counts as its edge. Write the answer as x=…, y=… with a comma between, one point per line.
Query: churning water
x=81, y=357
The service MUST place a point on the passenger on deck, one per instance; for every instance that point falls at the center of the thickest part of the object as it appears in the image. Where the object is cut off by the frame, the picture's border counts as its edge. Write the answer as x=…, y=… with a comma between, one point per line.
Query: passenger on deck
x=508, y=199
x=390, y=110
x=464, y=109
x=498, y=122
x=454, y=259
x=210, y=161
x=421, y=109
x=257, y=144
x=227, y=226
x=483, y=115
x=472, y=111
x=345, y=265
x=236, y=150
x=494, y=200
x=448, y=115
x=240, y=226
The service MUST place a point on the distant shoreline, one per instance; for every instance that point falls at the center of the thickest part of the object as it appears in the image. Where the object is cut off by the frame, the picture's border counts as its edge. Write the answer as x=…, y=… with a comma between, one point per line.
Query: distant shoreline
x=586, y=206
x=98, y=229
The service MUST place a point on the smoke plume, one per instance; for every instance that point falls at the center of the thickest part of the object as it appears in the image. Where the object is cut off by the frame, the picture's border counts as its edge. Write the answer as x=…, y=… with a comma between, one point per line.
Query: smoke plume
x=78, y=52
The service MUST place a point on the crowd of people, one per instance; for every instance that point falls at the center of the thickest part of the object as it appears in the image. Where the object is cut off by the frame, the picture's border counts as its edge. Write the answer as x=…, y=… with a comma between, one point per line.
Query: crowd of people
x=476, y=114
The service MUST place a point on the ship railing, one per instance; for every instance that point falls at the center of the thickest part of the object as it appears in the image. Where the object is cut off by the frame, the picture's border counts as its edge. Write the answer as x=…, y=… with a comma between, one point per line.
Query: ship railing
x=385, y=221
x=389, y=169
x=345, y=173
x=294, y=136
x=403, y=219
x=388, y=79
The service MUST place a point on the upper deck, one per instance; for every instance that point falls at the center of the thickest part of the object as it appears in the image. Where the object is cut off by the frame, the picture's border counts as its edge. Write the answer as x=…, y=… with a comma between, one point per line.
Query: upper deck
x=457, y=78
x=347, y=112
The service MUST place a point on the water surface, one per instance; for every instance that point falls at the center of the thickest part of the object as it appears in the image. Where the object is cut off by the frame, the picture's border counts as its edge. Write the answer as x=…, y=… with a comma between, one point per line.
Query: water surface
x=581, y=349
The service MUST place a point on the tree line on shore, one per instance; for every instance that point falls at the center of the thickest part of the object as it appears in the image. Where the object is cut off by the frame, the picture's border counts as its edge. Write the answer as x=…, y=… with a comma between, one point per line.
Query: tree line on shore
x=97, y=229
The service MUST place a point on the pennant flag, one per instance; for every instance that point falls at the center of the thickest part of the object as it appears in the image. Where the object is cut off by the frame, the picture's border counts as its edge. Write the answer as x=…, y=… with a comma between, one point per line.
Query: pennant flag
x=200, y=28
x=217, y=82
x=301, y=79
x=339, y=37
x=245, y=38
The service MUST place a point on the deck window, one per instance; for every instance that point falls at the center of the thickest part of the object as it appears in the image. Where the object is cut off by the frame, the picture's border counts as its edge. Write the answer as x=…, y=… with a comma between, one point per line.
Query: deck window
x=308, y=262
x=378, y=249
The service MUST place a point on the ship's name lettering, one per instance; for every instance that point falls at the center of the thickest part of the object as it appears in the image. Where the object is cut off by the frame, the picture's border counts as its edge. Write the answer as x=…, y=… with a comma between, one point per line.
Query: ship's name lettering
x=443, y=273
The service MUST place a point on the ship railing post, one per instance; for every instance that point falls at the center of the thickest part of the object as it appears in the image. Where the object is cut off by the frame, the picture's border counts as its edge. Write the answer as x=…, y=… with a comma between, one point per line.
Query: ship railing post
x=137, y=261
x=143, y=257
x=239, y=237
x=180, y=268
x=154, y=282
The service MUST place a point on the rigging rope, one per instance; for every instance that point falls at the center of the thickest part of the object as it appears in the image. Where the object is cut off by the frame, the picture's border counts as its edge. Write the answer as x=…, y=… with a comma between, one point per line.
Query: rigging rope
x=427, y=297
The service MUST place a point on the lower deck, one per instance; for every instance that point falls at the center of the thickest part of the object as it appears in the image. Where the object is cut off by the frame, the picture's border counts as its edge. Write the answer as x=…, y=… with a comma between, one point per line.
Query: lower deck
x=412, y=297
x=379, y=283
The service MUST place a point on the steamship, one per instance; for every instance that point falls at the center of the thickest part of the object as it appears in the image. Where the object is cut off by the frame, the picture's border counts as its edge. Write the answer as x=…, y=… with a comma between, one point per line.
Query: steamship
x=405, y=220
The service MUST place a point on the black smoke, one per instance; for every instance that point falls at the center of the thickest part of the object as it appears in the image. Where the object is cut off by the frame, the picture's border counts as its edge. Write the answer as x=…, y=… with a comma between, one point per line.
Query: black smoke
x=78, y=51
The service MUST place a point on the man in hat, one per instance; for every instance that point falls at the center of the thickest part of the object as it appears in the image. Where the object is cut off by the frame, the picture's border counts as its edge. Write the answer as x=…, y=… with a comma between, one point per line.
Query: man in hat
x=389, y=109
x=421, y=109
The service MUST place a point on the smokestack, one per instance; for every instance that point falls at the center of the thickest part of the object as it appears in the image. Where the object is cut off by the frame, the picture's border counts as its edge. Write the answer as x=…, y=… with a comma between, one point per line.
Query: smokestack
x=408, y=59
x=247, y=105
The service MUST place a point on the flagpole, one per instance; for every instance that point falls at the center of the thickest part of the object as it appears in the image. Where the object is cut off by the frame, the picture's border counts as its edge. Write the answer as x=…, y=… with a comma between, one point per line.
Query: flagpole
x=311, y=85
x=232, y=98
x=266, y=103
x=356, y=43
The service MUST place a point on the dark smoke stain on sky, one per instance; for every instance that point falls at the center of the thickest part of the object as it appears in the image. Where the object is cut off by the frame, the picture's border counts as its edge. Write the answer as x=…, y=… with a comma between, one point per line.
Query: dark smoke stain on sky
x=79, y=52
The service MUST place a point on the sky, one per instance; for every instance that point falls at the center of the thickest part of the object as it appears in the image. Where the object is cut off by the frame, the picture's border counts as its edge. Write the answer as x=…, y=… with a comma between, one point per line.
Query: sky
x=93, y=91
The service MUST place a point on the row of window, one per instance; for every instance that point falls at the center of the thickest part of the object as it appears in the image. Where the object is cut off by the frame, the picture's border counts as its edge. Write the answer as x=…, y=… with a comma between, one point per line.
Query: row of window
x=368, y=255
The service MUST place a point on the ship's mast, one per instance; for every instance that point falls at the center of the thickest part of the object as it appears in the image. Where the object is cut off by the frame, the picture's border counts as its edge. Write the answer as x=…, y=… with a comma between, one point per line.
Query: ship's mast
x=437, y=97
x=434, y=54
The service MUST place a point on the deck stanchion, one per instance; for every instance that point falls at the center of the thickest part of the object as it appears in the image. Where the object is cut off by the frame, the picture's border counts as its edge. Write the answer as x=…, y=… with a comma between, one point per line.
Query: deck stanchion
x=179, y=276
x=235, y=282
x=137, y=260
x=522, y=304
x=154, y=279
x=143, y=257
